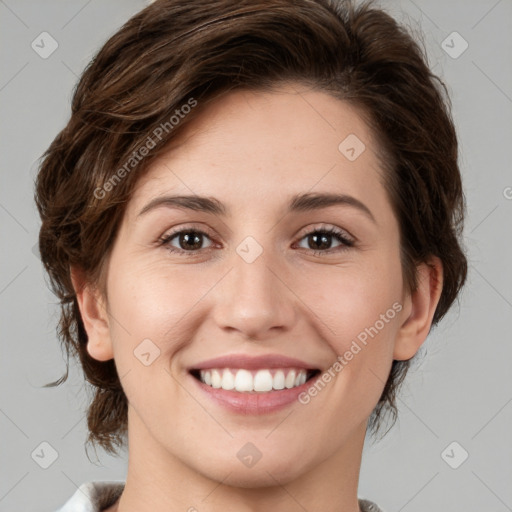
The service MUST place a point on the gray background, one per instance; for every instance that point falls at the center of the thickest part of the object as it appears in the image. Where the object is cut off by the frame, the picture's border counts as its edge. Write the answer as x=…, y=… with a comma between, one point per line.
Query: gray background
x=460, y=388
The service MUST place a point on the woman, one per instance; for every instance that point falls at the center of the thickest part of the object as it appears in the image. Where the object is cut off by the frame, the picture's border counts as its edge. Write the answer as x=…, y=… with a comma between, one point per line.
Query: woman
x=252, y=221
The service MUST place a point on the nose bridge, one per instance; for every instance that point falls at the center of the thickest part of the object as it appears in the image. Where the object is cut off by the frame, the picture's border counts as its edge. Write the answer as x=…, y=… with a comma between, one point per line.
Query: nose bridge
x=253, y=298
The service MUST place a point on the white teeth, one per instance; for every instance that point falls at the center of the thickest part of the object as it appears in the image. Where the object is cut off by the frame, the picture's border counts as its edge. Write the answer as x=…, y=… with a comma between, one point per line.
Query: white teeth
x=290, y=379
x=300, y=379
x=263, y=381
x=228, y=381
x=278, y=382
x=260, y=381
x=243, y=380
x=216, y=379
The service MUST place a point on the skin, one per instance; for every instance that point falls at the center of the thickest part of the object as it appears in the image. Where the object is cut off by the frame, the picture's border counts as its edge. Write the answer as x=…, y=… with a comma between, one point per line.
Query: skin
x=252, y=151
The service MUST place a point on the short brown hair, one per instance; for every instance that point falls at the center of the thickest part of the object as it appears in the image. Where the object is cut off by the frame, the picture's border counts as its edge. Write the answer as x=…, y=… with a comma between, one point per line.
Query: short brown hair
x=175, y=50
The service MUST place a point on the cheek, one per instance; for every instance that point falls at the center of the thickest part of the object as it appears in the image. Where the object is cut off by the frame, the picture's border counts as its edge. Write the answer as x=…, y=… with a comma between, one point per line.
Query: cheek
x=149, y=300
x=350, y=299
x=156, y=309
x=356, y=308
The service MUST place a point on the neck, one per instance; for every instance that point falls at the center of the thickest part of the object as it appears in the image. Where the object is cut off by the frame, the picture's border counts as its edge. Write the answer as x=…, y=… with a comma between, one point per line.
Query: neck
x=159, y=481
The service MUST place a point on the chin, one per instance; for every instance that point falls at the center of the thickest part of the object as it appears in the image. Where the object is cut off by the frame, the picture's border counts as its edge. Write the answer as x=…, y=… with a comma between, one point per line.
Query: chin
x=267, y=471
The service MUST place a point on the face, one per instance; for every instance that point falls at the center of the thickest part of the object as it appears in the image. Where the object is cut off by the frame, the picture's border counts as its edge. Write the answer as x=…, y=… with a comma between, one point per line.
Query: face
x=270, y=275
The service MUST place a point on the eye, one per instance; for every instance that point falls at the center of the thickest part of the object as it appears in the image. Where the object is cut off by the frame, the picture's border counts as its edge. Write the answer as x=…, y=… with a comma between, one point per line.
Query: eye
x=323, y=238
x=189, y=241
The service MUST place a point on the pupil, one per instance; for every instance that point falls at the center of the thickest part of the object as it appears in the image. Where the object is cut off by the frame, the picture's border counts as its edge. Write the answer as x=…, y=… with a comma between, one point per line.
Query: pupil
x=323, y=240
x=196, y=240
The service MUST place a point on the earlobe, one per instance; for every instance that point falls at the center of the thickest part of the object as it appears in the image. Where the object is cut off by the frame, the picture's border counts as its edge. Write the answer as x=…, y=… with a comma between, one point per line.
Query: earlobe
x=423, y=303
x=94, y=316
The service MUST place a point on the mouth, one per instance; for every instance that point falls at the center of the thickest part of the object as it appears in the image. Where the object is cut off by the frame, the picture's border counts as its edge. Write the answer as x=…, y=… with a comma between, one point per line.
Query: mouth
x=254, y=381
x=246, y=384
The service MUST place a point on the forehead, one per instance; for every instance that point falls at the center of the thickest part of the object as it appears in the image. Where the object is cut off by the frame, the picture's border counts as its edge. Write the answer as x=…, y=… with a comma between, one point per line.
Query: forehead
x=260, y=145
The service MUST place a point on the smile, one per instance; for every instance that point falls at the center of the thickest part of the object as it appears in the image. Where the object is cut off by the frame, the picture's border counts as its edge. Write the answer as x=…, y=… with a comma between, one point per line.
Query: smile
x=254, y=381
x=253, y=384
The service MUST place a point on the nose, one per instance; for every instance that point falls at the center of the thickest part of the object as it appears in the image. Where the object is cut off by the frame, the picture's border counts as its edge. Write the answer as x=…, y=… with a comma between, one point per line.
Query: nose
x=255, y=298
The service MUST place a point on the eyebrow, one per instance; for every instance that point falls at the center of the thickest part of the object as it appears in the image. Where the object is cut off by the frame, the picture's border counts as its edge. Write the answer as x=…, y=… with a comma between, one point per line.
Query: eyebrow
x=298, y=203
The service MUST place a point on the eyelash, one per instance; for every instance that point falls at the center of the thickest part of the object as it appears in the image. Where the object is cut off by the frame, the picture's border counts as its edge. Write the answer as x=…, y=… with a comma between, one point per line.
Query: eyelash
x=336, y=233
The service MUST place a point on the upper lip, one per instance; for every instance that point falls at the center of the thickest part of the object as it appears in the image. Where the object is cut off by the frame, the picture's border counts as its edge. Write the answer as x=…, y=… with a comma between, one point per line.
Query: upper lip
x=253, y=362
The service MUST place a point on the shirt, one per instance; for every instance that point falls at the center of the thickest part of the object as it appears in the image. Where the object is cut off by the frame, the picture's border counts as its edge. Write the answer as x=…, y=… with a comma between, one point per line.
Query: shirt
x=96, y=496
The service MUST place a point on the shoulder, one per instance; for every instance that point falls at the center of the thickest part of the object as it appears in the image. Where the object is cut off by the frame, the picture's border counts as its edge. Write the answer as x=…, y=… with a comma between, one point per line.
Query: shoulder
x=368, y=506
x=93, y=496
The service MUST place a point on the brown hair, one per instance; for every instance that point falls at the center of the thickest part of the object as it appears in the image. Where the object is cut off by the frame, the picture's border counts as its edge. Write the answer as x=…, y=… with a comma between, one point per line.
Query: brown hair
x=175, y=51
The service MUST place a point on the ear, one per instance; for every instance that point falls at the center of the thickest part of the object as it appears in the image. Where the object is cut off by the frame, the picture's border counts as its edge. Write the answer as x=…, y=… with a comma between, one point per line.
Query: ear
x=419, y=310
x=94, y=316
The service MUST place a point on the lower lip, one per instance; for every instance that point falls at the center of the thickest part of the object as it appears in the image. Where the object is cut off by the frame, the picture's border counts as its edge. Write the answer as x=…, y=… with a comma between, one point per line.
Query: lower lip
x=254, y=403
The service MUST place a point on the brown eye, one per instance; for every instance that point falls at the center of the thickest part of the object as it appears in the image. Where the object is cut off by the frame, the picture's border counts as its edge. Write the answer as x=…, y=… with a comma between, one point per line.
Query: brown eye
x=320, y=240
x=188, y=240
